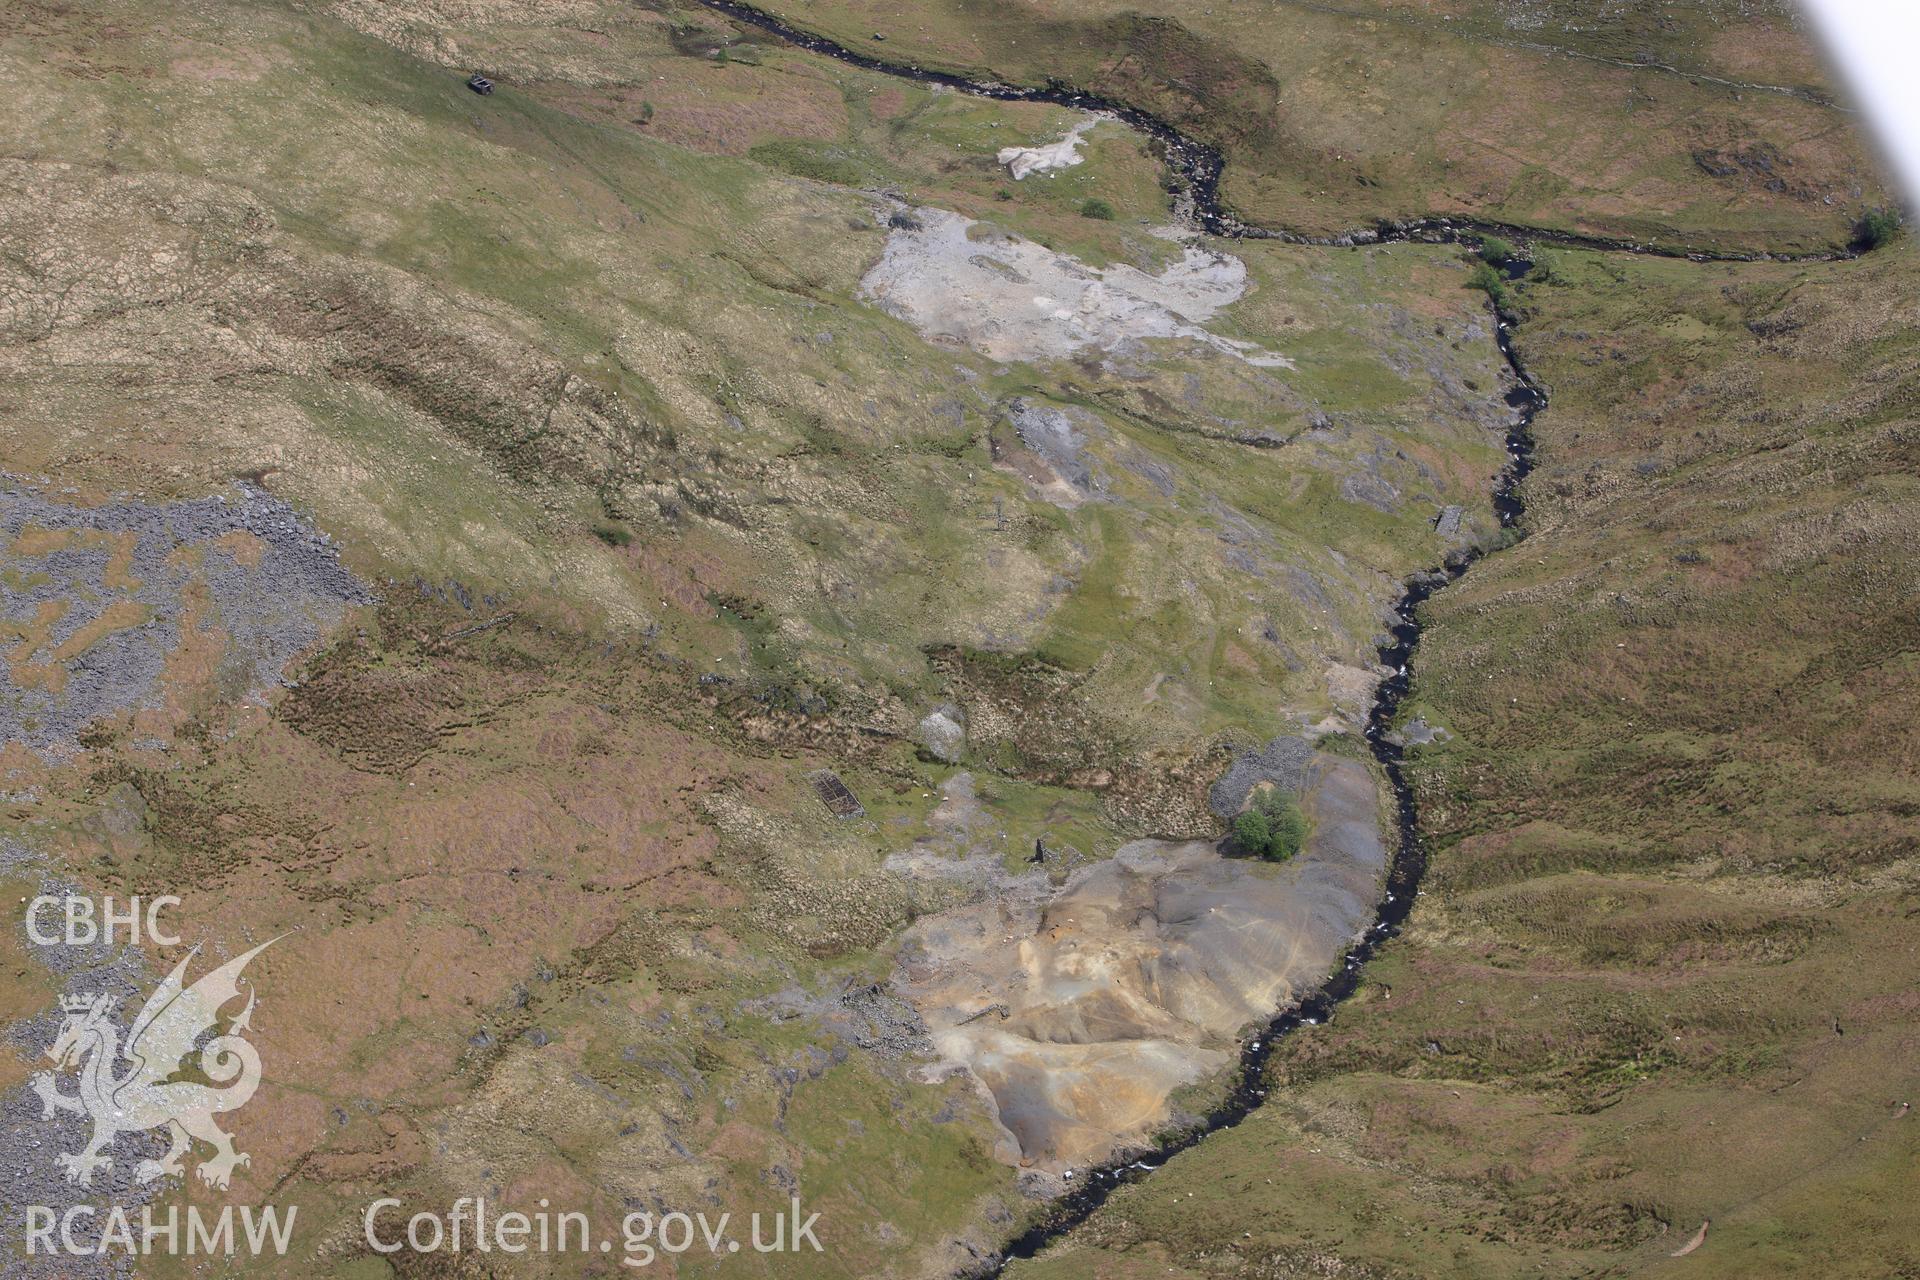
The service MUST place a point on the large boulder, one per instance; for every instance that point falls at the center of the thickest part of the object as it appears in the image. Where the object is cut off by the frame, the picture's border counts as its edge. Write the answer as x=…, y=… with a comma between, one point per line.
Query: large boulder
x=942, y=733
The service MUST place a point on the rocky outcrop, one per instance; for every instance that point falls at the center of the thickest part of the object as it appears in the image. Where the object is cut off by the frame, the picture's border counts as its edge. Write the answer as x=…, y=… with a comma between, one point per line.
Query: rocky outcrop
x=942, y=733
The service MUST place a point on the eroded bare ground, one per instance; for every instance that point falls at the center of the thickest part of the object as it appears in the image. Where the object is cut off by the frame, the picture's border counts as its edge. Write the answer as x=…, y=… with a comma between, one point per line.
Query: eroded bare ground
x=1083, y=1007
x=957, y=280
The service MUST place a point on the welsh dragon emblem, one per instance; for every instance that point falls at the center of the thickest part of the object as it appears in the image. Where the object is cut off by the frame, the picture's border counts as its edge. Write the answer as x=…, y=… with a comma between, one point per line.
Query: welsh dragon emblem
x=147, y=1082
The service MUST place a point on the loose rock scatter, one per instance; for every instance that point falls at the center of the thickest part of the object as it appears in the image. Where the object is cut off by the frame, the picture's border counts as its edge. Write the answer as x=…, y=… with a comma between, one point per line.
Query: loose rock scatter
x=126, y=605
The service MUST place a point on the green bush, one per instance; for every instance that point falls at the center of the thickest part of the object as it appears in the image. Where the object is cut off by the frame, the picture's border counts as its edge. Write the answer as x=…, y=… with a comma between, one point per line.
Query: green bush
x=1496, y=251
x=1488, y=281
x=1273, y=827
x=1876, y=228
x=1287, y=832
x=612, y=534
x=1097, y=208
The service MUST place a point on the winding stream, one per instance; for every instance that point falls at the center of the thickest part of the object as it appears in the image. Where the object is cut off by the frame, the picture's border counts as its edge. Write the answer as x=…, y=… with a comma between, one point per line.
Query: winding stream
x=1403, y=874
x=1196, y=167
x=1196, y=170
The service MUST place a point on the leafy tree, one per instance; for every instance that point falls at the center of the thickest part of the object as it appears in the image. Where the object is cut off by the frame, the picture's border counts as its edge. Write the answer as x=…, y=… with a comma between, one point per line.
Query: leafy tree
x=1876, y=228
x=1496, y=251
x=1287, y=832
x=1488, y=281
x=1272, y=827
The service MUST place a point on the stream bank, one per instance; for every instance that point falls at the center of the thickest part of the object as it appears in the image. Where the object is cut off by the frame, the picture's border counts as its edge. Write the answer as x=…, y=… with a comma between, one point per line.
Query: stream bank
x=1404, y=872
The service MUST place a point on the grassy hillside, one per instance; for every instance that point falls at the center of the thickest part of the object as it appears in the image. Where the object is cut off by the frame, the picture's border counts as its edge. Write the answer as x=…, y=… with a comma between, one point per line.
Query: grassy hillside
x=1701, y=125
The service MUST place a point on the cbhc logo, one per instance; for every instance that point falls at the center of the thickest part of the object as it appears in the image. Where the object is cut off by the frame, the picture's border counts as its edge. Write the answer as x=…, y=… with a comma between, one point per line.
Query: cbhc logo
x=83, y=922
